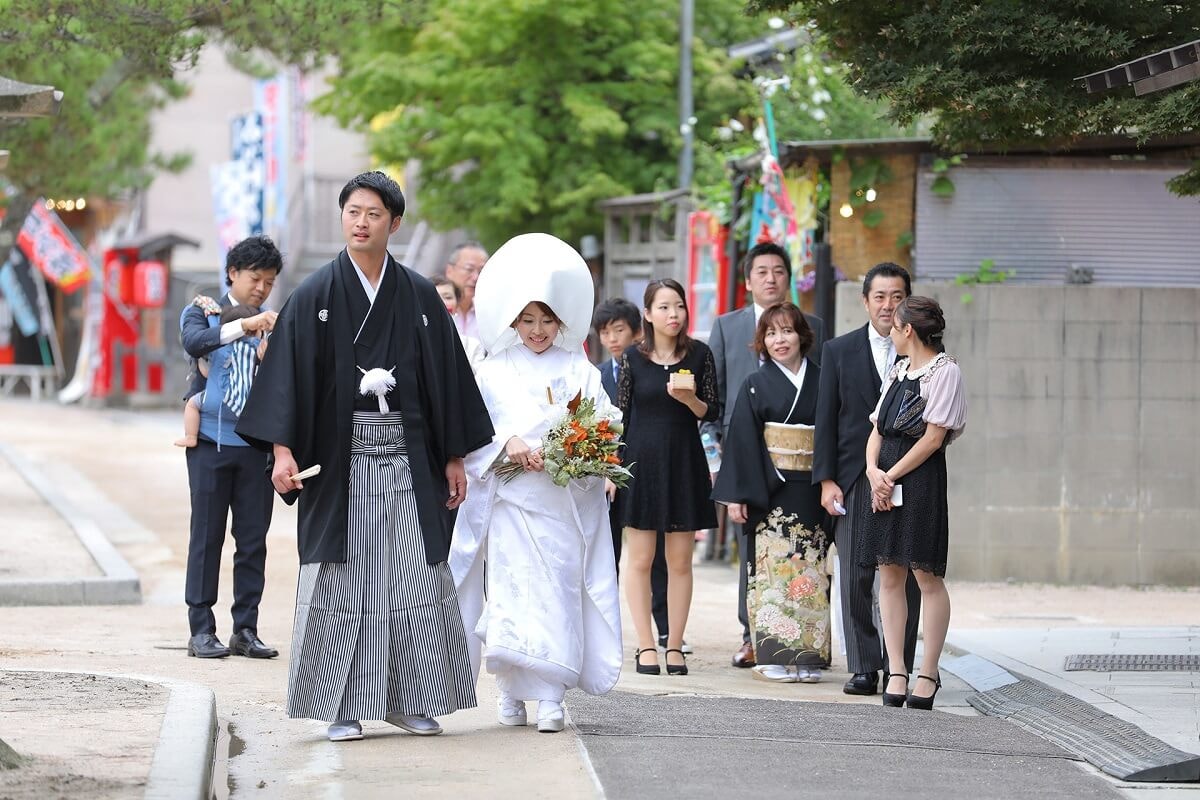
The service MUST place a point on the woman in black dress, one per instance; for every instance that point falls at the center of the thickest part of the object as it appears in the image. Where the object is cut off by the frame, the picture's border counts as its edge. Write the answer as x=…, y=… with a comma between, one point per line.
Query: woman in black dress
x=668, y=385
x=766, y=480
x=922, y=409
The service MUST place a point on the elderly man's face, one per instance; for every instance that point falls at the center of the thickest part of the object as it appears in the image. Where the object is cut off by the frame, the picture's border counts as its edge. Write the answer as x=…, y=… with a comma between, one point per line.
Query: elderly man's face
x=465, y=272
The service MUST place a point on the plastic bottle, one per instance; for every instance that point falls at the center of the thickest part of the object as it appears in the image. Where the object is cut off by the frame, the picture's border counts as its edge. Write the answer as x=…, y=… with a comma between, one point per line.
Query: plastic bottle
x=712, y=451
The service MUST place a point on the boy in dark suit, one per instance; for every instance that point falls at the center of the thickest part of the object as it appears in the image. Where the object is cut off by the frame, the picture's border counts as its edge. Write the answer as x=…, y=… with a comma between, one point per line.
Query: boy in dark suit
x=853, y=367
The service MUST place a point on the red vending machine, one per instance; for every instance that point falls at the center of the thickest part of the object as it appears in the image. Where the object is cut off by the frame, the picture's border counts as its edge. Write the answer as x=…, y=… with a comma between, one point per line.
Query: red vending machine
x=131, y=329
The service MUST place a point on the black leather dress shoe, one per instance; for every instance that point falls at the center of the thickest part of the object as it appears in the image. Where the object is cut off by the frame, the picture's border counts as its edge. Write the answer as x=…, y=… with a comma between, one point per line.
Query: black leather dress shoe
x=206, y=645
x=246, y=643
x=864, y=683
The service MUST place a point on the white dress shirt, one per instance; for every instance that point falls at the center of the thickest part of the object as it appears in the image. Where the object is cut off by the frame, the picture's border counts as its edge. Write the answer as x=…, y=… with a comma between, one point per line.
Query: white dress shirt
x=232, y=331
x=758, y=312
x=467, y=323
x=882, y=350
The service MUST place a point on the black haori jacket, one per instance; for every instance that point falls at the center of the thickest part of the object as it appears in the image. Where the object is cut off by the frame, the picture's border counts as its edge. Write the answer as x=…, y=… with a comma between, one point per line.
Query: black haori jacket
x=304, y=394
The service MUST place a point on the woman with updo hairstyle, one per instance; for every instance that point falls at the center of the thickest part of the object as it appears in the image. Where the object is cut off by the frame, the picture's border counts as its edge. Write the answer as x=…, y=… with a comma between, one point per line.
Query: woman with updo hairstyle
x=922, y=408
x=766, y=481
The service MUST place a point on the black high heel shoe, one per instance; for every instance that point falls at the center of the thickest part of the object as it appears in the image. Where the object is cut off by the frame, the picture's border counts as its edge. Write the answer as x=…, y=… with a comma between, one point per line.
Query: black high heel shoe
x=925, y=703
x=895, y=700
x=677, y=669
x=647, y=669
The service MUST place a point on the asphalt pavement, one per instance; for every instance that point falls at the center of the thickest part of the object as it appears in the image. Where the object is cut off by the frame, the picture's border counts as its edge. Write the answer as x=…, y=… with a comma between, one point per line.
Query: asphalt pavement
x=149, y=709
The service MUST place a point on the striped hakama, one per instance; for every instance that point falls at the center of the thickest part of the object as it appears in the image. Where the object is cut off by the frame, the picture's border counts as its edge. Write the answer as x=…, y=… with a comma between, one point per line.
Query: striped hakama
x=381, y=633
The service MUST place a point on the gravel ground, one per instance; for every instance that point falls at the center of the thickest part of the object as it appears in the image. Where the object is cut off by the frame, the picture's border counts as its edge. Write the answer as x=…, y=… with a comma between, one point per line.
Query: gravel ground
x=79, y=735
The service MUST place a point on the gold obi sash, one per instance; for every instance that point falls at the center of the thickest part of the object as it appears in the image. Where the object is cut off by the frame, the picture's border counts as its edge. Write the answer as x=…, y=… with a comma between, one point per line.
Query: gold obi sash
x=790, y=446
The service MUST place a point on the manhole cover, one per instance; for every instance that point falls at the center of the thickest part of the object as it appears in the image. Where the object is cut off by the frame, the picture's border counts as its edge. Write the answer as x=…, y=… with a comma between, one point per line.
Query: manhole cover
x=1132, y=663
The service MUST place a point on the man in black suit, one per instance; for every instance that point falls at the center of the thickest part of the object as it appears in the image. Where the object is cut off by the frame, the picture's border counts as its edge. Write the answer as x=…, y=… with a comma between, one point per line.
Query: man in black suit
x=768, y=273
x=853, y=367
x=224, y=473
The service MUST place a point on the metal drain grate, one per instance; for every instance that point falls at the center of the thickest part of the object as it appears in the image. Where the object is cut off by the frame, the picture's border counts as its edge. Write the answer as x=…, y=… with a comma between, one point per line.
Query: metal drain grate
x=1132, y=663
x=1118, y=748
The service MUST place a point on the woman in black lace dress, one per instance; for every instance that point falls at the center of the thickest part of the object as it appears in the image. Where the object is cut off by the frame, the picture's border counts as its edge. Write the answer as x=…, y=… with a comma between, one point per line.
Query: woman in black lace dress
x=922, y=408
x=668, y=385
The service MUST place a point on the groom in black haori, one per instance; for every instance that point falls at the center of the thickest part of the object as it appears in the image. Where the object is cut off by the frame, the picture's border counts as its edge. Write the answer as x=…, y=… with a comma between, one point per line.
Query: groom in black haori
x=365, y=378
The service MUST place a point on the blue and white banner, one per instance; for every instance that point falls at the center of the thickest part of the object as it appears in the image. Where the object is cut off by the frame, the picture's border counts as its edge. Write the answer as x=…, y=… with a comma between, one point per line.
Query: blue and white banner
x=18, y=289
x=271, y=101
x=247, y=151
x=237, y=185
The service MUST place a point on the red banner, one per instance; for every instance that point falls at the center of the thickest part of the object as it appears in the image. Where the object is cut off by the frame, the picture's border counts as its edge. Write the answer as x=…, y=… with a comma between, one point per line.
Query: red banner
x=49, y=245
x=706, y=272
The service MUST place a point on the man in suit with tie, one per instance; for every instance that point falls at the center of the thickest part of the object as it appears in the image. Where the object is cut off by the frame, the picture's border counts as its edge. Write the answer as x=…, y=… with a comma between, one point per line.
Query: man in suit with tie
x=227, y=476
x=618, y=323
x=853, y=367
x=768, y=273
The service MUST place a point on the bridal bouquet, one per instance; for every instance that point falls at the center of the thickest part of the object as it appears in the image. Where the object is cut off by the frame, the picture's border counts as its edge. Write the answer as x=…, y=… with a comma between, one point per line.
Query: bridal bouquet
x=580, y=445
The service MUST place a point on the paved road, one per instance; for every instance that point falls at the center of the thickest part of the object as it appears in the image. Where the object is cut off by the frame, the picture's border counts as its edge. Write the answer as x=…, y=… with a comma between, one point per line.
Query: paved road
x=701, y=736
x=731, y=747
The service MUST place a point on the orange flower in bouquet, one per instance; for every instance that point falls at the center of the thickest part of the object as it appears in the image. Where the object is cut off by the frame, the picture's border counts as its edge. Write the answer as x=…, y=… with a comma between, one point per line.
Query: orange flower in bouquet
x=580, y=445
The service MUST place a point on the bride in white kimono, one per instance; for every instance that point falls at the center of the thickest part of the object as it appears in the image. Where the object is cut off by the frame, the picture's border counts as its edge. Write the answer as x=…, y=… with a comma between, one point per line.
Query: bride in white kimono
x=546, y=617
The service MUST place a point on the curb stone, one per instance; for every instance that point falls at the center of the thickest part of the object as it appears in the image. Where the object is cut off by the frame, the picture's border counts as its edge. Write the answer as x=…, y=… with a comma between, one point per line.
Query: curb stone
x=183, y=758
x=120, y=584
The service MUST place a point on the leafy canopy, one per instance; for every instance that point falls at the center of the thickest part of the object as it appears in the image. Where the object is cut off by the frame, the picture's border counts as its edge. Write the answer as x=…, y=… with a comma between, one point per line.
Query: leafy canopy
x=818, y=103
x=117, y=61
x=524, y=113
x=1002, y=73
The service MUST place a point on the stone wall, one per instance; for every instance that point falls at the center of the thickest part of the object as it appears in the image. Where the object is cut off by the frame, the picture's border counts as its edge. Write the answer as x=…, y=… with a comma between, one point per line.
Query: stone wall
x=1080, y=462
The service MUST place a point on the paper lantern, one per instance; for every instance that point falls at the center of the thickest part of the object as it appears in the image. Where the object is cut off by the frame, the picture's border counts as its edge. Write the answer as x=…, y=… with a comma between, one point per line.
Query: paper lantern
x=150, y=284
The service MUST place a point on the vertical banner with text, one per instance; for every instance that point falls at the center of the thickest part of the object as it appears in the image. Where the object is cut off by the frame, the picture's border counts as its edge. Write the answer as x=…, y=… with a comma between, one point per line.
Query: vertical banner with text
x=271, y=101
x=238, y=185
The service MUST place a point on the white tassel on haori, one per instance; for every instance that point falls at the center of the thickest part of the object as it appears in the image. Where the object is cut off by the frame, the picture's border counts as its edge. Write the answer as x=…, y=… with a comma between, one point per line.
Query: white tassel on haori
x=378, y=382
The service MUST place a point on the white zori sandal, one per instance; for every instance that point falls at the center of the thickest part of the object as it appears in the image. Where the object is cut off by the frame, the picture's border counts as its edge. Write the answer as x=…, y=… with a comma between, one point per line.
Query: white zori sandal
x=550, y=717
x=346, y=730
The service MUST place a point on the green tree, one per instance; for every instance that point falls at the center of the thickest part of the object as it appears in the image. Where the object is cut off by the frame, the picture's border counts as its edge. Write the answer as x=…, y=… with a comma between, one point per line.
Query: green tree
x=820, y=103
x=1003, y=73
x=117, y=62
x=524, y=113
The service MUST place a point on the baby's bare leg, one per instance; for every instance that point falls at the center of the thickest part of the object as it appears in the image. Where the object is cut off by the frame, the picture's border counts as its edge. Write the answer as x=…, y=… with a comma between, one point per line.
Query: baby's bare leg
x=191, y=423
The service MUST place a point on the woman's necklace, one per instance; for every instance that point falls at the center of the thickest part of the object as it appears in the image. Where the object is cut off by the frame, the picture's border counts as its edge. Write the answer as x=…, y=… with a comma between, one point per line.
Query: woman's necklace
x=664, y=360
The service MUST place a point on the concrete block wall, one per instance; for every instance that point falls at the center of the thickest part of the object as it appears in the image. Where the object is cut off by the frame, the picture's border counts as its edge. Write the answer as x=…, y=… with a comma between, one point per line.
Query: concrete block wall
x=1080, y=462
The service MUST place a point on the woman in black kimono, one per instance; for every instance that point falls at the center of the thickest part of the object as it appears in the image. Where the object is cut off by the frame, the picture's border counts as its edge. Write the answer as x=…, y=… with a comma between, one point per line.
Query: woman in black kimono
x=766, y=480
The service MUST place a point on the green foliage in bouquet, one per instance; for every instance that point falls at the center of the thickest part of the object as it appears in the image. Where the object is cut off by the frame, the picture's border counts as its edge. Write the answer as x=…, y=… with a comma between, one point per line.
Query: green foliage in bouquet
x=582, y=444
